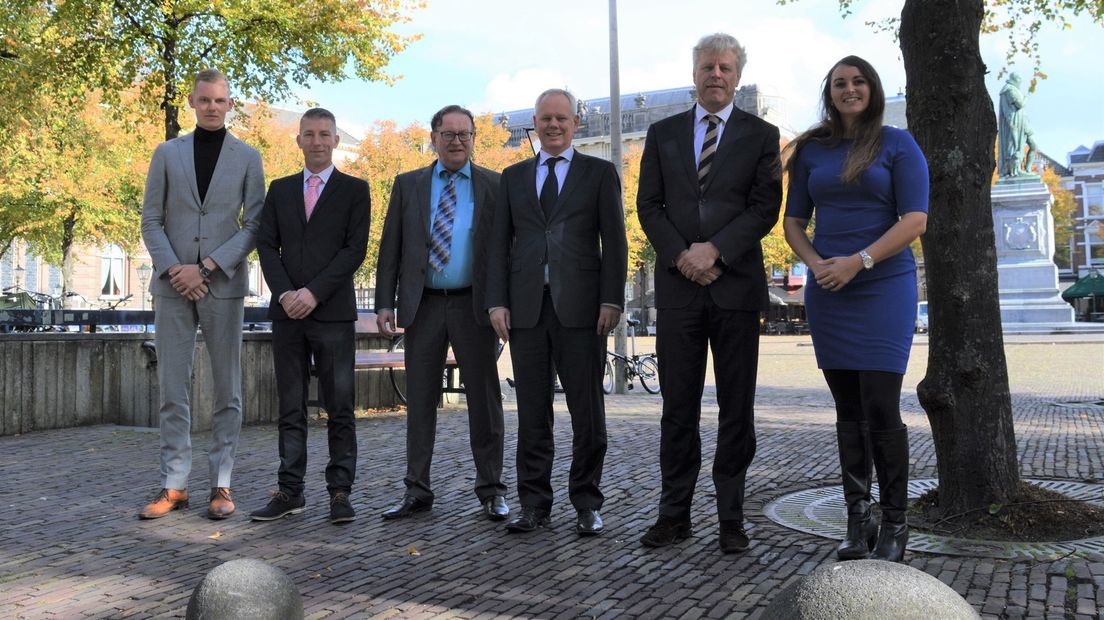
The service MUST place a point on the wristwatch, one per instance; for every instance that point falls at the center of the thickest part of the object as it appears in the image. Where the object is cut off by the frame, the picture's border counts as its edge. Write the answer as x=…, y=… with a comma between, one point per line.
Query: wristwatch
x=868, y=263
x=205, y=273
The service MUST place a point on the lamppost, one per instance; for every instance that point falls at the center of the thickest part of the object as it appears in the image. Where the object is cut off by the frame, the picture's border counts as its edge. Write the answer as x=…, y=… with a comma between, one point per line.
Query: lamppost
x=144, y=272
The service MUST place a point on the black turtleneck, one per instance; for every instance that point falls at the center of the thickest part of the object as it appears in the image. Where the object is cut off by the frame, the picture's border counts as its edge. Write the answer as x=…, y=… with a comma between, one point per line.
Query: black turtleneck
x=208, y=144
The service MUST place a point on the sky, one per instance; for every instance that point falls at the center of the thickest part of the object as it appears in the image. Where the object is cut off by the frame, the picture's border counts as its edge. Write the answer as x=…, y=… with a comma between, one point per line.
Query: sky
x=498, y=55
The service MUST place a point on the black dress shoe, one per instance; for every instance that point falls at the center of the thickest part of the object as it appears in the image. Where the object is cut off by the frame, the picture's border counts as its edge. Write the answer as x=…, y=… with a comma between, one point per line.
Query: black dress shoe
x=529, y=519
x=341, y=511
x=733, y=537
x=281, y=505
x=495, y=508
x=407, y=507
x=666, y=531
x=588, y=523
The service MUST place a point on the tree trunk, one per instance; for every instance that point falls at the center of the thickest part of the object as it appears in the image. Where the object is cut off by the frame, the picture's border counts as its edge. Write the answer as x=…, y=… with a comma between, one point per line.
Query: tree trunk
x=965, y=392
x=168, y=103
x=67, y=228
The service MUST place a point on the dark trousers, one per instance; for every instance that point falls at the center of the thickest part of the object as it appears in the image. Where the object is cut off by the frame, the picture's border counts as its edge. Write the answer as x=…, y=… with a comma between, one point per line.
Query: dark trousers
x=683, y=336
x=333, y=348
x=442, y=321
x=870, y=396
x=578, y=356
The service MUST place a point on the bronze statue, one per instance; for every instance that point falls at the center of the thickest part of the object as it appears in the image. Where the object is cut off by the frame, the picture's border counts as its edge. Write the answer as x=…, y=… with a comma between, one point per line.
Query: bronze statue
x=1015, y=132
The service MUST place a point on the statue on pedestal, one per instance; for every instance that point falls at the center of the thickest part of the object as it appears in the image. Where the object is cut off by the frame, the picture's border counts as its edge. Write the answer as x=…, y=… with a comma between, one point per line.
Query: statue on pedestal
x=1015, y=134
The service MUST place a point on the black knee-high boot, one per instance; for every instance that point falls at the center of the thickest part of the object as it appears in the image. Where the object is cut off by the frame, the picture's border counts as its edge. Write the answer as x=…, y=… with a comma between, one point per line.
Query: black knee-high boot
x=891, y=460
x=856, y=465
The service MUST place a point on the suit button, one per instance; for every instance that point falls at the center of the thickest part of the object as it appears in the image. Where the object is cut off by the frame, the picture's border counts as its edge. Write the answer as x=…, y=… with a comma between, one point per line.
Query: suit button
x=548, y=232
x=701, y=203
x=195, y=239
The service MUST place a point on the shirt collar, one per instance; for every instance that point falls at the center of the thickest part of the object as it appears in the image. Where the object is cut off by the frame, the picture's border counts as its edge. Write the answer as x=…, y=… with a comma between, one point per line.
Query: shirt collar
x=464, y=171
x=700, y=112
x=543, y=156
x=324, y=175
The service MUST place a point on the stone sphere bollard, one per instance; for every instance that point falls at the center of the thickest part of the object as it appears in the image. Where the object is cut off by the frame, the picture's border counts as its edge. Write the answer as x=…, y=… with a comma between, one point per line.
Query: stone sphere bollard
x=868, y=589
x=245, y=589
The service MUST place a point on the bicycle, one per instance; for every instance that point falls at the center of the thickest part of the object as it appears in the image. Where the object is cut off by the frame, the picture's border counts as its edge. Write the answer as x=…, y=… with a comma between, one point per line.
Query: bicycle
x=645, y=367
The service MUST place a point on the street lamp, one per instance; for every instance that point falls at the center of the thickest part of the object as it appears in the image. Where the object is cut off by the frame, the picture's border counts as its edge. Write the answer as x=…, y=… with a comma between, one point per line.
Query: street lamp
x=144, y=272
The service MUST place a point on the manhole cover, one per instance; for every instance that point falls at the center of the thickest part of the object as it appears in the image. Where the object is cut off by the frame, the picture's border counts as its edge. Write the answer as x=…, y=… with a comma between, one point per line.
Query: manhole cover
x=1080, y=404
x=821, y=512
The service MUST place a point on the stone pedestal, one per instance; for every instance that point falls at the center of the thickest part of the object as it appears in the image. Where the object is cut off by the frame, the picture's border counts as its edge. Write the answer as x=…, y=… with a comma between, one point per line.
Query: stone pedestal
x=1027, y=275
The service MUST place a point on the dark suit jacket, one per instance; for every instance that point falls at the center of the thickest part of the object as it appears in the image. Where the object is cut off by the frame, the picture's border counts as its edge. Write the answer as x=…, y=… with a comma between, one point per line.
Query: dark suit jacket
x=584, y=242
x=322, y=254
x=404, y=247
x=737, y=208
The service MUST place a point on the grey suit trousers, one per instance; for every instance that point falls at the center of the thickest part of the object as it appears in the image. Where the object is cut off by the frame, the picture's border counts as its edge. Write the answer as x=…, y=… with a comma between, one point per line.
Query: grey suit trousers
x=176, y=320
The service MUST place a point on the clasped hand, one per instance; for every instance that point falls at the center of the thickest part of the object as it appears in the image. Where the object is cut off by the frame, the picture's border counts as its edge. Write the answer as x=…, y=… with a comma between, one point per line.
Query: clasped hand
x=185, y=279
x=833, y=274
x=299, y=304
x=698, y=263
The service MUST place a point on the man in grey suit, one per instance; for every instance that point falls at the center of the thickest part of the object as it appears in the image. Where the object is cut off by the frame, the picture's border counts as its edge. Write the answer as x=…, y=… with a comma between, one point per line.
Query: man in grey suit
x=434, y=251
x=204, y=193
x=555, y=289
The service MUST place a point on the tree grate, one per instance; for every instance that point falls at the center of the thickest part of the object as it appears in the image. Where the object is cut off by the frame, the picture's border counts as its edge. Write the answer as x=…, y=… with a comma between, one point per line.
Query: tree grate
x=821, y=512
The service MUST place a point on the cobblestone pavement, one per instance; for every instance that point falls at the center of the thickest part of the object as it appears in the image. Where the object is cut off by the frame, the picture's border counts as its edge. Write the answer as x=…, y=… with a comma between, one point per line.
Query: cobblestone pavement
x=72, y=547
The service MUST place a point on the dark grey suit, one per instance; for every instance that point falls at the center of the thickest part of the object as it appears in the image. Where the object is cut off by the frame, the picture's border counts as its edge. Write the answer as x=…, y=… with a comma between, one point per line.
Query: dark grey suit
x=432, y=322
x=736, y=208
x=584, y=247
x=178, y=228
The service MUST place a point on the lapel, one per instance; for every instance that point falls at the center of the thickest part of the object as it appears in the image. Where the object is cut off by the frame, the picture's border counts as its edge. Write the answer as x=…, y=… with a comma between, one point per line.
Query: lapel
x=423, y=189
x=575, y=172
x=684, y=138
x=479, y=197
x=185, y=149
x=298, y=200
x=737, y=127
x=529, y=189
x=226, y=155
x=328, y=190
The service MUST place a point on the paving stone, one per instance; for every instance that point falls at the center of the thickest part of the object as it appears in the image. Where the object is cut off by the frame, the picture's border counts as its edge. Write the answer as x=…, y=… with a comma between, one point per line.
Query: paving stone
x=94, y=558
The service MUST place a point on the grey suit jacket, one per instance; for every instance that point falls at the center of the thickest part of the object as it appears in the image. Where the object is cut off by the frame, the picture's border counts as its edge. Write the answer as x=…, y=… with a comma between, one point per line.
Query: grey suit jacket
x=178, y=228
x=404, y=246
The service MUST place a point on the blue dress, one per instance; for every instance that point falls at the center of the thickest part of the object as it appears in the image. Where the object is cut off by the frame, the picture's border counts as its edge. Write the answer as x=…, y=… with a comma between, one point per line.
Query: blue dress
x=868, y=324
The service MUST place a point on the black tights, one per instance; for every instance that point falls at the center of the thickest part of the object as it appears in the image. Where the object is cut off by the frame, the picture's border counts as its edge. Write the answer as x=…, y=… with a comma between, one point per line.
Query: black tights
x=873, y=396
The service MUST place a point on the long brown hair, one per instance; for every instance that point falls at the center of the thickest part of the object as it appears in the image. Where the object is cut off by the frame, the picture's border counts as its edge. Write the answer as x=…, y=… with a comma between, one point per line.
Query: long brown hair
x=866, y=133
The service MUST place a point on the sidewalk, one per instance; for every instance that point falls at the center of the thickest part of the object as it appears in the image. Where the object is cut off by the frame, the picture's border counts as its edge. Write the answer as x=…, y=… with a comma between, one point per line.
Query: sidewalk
x=72, y=547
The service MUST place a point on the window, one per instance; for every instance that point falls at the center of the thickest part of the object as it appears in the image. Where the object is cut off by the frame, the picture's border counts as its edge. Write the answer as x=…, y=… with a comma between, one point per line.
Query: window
x=112, y=275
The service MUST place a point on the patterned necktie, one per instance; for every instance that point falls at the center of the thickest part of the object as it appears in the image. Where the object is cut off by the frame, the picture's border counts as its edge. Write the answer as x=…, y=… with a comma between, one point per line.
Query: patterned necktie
x=550, y=191
x=709, y=147
x=311, y=197
x=440, y=242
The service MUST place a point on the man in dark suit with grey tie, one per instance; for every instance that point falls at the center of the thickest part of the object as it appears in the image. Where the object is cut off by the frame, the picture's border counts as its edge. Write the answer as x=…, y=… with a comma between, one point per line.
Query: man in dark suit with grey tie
x=710, y=190
x=312, y=239
x=555, y=290
x=433, y=255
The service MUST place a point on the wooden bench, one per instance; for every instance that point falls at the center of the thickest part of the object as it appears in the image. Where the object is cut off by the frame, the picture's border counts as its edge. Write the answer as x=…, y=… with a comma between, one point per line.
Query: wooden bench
x=394, y=360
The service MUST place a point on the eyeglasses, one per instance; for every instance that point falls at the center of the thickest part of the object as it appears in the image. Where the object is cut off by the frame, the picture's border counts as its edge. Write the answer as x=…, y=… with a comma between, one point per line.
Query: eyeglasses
x=465, y=136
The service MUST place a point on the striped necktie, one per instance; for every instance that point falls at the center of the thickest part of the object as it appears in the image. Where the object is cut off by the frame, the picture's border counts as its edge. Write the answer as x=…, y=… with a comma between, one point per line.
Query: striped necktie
x=709, y=148
x=440, y=243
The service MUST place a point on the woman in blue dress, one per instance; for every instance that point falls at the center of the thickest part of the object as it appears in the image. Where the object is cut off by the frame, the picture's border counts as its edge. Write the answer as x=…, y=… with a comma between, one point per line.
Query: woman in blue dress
x=868, y=187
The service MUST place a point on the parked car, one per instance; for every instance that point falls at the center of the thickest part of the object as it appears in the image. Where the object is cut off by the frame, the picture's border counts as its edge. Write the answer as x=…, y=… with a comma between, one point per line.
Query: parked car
x=922, y=317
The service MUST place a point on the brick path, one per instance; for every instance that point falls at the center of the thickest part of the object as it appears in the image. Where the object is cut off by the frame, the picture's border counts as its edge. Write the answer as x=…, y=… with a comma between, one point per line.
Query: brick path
x=71, y=547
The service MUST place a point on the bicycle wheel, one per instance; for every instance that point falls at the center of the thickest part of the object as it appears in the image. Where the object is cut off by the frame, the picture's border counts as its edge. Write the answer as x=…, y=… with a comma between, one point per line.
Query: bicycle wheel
x=607, y=377
x=649, y=374
x=398, y=375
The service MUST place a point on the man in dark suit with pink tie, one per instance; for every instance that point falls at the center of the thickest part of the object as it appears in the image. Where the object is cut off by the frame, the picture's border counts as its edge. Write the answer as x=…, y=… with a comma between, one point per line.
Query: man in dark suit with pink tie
x=313, y=237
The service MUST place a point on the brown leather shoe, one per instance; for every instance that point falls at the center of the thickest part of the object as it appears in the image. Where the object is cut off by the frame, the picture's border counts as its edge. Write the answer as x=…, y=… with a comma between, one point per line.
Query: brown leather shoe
x=221, y=504
x=167, y=501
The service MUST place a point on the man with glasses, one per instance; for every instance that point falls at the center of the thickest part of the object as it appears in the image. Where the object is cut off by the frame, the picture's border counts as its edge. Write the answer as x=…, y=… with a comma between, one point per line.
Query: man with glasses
x=434, y=252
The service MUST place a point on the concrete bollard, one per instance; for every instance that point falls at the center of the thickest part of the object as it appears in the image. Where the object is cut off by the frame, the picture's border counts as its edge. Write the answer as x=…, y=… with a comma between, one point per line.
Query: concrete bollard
x=244, y=590
x=868, y=589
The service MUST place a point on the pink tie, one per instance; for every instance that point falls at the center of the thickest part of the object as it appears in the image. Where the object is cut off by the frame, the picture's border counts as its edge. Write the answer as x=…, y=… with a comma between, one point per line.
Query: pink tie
x=311, y=198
